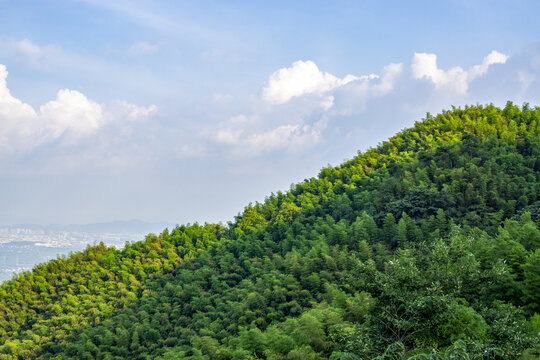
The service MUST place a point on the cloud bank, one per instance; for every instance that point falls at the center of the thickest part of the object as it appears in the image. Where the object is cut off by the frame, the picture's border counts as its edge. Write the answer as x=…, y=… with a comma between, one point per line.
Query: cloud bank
x=110, y=153
x=299, y=107
x=299, y=103
x=66, y=119
x=293, y=110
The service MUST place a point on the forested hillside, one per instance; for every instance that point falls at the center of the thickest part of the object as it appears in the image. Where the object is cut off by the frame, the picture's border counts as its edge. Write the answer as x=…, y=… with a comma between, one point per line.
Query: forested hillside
x=426, y=247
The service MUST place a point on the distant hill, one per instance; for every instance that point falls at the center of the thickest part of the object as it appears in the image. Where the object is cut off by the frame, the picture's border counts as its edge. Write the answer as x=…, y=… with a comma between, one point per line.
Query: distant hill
x=425, y=247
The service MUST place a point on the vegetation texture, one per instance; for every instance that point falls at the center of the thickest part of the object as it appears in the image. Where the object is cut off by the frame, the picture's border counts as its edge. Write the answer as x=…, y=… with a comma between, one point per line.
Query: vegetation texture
x=426, y=247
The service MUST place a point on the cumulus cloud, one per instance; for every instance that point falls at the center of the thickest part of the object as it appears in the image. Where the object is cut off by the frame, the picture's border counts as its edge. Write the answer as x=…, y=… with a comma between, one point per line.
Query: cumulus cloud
x=9, y=105
x=386, y=81
x=354, y=97
x=302, y=78
x=299, y=125
x=16, y=117
x=425, y=66
x=71, y=111
x=70, y=116
x=388, y=78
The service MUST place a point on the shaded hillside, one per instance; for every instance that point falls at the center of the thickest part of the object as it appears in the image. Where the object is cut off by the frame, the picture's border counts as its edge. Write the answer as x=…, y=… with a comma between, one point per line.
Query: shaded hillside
x=424, y=247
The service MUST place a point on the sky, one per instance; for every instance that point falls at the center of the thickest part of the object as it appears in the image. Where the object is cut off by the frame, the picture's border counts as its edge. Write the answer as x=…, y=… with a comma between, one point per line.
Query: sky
x=184, y=111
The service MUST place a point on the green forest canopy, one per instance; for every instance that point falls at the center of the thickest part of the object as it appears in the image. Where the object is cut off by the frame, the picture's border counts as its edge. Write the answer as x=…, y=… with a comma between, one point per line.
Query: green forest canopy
x=425, y=247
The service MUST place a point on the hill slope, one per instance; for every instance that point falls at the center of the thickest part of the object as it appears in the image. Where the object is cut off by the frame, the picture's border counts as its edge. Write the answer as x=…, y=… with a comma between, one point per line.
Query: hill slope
x=427, y=244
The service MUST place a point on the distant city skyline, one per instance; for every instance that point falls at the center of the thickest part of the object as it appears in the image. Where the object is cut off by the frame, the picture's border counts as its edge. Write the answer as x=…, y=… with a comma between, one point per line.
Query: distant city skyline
x=188, y=111
x=23, y=246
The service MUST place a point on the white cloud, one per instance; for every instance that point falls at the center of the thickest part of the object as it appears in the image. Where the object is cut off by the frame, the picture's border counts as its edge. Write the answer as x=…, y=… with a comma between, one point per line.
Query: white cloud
x=72, y=111
x=143, y=48
x=28, y=50
x=285, y=136
x=425, y=66
x=363, y=89
x=228, y=136
x=125, y=110
x=248, y=137
x=354, y=97
x=328, y=102
x=493, y=57
x=16, y=118
x=388, y=78
x=230, y=132
x=298, y=125
x=70, y=116
x=9, y=105
x=44, y=57
x=302, y=78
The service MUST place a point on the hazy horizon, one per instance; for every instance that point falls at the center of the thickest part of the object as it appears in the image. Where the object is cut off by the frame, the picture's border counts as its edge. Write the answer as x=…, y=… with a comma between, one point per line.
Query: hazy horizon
x=115, y=221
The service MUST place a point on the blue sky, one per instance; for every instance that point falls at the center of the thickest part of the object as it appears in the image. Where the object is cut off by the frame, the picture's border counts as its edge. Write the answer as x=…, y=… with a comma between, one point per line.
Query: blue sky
x=188, y=111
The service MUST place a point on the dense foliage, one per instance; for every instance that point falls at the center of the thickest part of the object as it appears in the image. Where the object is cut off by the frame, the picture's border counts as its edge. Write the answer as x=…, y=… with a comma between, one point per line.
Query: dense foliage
x=426, y=247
